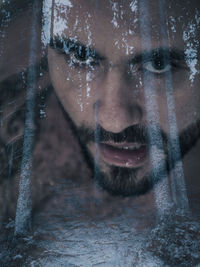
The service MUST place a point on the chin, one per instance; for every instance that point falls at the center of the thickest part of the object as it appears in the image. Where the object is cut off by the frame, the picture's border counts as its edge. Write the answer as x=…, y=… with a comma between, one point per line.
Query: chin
x=121, y=181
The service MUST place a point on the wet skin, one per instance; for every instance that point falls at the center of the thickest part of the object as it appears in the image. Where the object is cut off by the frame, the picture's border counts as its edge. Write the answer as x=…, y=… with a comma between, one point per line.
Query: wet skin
x=106, y=105
x=102, y=87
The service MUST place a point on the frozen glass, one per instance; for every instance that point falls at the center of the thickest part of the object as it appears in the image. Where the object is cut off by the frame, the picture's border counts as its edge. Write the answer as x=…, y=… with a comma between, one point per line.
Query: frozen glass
x=99, y=133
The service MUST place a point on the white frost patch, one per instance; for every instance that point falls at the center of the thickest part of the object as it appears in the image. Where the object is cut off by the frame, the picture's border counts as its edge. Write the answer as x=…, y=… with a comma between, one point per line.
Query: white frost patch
x=117, y=44
x=172, y=23
x=130, y=32
x=42, y=113
x=89, y=33
x=191, y=59
x=80, y=96
x=128, y=48
x=134, y=6
x=115, y=10
x=76, y=23
x=192, y=45
x=88, y=80
x=89, y=77
x=46, y=17
x=64, y=3
x=61, y=11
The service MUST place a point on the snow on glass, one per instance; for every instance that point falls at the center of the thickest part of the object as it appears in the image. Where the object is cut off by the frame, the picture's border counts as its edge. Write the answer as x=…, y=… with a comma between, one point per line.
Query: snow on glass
x=105, y=250
x=192, y=45
x=24, y=205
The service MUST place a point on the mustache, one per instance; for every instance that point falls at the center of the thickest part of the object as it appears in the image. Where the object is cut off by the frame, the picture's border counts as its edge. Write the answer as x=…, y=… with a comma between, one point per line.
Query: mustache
x=139, y=134
x=132, y=134
x=136, y=133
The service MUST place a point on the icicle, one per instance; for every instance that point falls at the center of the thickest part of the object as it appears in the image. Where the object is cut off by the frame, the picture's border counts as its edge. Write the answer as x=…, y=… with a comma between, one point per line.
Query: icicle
x=161, y=190
x=47, y=15
x=178, y=187
x=24, y=204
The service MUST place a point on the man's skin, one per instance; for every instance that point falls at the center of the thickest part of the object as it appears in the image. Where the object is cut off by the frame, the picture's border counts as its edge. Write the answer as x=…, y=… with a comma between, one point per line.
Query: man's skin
x=107, y=95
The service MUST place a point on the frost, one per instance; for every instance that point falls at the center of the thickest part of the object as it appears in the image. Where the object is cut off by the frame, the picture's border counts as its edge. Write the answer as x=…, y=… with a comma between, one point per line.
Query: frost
x=42, y=113
x=61, y=11
x=88, y=80
x=191, y=42
x=64, y=3
x=172, y=22
x=88, y=77
x=191, y=59
x=76, y=23
x=177, y=239
x=47, y=11
x=134, y=6
x=192, y=45
x=129, y=49
x=89, y=34
x=117, y=43
x=80, y=97
x=24, y=202
x=115, y=10
x=174, y=241
x=131, y=32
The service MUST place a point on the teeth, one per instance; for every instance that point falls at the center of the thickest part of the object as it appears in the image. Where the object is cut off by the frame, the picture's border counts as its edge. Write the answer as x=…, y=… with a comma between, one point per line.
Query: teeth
x=136, y=146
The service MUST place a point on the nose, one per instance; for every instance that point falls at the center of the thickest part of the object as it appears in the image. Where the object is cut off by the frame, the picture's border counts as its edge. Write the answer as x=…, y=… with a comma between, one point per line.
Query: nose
x=117, y=106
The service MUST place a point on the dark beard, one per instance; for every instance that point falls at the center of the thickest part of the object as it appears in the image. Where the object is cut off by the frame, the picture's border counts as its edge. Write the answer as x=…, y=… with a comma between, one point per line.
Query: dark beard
x=123, y=181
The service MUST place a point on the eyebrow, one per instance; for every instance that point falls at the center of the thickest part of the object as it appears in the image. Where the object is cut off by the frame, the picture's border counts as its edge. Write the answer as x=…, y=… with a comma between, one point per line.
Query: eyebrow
x=67, y=45
x=167, y=53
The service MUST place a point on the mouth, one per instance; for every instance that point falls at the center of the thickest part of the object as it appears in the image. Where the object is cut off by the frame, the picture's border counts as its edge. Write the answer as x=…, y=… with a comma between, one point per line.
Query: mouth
x=130, y=155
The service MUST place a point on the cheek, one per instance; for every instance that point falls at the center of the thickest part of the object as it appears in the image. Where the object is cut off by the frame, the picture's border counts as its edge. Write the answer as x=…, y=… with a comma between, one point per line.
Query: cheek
x=182, y=104
x=75, y=90
x=187, y=101
x=187, y=106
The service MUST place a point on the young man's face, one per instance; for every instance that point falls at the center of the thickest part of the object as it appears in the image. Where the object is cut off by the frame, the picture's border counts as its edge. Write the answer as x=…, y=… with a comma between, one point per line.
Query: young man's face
x=100, y=63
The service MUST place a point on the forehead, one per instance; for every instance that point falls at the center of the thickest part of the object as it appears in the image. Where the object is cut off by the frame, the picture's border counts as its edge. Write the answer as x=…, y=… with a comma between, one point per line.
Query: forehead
x=117, y=23
x=94, y=19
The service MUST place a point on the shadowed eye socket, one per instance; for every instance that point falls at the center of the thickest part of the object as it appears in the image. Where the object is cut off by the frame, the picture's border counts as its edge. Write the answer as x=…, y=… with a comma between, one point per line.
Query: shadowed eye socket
x=82, y=55
x=158, y=61
x=78, y=54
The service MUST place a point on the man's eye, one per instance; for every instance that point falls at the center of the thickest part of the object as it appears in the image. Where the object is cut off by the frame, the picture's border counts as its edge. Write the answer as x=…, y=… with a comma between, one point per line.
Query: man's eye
x=157, y=67
x=77, y=54
x=83, y=56
x=80, y=60
x=158, y=64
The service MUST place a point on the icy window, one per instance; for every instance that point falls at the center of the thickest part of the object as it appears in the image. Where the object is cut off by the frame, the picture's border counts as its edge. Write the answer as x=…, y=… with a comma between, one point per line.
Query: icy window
x=99, y=133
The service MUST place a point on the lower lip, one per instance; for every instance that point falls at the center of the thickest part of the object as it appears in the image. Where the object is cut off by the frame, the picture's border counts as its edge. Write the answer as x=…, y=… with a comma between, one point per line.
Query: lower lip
x=123, y=157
